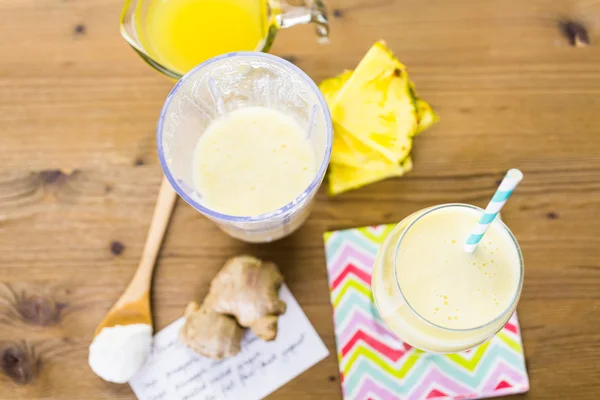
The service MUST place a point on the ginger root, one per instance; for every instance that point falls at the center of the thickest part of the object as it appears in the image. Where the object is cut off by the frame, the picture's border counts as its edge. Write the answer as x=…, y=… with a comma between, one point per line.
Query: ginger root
x=211, y=334
x=244, y=294
x=248, y=288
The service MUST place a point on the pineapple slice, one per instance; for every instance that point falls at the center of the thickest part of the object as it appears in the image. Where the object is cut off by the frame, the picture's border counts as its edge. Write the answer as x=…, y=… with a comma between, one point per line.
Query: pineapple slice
x=375, y=123
x=330, y=87
x=425, y=114
x=375, y=105
x=347, y=149
x=343, y=178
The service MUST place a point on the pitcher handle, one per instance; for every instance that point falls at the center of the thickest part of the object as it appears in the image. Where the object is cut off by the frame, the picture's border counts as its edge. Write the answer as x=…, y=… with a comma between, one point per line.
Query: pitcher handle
x=307, y=11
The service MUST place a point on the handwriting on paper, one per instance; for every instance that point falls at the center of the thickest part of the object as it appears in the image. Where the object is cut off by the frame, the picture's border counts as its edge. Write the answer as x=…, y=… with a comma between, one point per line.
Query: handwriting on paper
x=175, y=372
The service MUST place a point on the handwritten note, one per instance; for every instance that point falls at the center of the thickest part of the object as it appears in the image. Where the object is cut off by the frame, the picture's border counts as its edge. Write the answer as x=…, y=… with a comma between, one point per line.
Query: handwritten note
x=175, y=372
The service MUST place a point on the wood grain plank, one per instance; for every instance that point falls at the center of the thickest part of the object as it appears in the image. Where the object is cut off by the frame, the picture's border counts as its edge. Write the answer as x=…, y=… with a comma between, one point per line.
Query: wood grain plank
x=79, y=173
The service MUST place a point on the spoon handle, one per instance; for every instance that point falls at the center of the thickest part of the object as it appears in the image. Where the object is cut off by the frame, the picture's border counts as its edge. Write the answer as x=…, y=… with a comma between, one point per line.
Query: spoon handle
x=140, y=283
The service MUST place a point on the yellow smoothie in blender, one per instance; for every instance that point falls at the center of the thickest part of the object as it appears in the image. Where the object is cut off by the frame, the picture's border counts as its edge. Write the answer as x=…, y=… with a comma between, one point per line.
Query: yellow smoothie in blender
x=183, y=33
x=252, y=161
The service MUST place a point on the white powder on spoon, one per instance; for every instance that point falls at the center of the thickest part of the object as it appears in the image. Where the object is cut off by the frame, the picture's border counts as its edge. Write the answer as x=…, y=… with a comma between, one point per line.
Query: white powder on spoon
x=117, y=353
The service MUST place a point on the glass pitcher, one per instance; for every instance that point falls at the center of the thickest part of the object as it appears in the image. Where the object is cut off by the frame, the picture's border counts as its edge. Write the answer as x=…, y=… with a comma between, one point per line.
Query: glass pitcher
x=173, y=36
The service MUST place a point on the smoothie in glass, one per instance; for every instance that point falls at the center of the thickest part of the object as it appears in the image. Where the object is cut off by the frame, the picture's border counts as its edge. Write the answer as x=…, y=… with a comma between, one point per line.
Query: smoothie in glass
x=433, y=294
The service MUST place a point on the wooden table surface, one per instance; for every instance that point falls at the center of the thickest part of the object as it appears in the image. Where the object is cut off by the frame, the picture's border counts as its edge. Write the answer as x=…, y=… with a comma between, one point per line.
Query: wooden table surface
x=79, y=175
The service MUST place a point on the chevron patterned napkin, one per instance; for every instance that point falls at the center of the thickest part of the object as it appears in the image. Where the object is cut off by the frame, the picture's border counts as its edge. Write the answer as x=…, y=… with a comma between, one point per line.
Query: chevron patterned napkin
x=376, y=365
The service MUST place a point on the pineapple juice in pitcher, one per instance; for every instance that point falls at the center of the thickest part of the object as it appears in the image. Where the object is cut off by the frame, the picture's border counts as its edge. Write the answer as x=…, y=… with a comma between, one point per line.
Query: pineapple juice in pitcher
x=183, y=33
x=173, y=36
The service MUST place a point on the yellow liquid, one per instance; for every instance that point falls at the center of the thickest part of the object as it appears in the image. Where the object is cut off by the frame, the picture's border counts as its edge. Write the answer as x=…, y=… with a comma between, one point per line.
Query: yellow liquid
x=181, y=34
x=466, y=298
x=252, y=161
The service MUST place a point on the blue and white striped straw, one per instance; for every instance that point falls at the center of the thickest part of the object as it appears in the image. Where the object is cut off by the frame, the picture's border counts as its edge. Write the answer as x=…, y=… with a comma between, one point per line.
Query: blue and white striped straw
x=508, y=184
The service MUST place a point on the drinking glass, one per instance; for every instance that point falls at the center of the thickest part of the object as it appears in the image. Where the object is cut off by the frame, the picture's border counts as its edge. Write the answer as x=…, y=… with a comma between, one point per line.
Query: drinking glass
x=400, y=315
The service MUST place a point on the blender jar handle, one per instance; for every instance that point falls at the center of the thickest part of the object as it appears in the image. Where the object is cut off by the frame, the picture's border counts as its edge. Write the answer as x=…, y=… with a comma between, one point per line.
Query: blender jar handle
x=304, y=12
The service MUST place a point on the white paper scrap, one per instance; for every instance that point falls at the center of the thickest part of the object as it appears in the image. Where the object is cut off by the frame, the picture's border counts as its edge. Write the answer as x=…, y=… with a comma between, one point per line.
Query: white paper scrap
x=174, y=372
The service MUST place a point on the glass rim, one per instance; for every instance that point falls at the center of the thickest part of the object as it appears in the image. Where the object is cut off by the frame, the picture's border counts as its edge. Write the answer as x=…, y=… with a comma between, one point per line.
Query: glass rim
x=315, y=183
x=519, y=283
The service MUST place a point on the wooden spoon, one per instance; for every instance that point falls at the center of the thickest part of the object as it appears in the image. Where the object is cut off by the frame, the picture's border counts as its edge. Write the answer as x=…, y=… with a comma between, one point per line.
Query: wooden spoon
x=134, y=305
